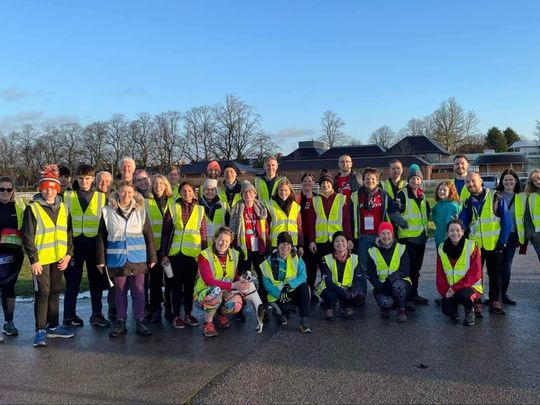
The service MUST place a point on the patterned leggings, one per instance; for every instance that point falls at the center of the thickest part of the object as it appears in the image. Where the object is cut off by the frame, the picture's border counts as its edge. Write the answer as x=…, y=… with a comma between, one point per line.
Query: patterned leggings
x=393, y=295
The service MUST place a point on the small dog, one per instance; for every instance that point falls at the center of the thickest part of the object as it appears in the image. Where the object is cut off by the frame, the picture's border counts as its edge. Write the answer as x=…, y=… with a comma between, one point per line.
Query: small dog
x=252, y=296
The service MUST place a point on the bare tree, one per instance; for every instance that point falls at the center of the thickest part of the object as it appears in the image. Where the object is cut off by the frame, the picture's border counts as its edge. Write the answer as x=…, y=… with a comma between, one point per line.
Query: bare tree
x=95, y=146
x=200, y=133
x=10, y=155
x=117, y=137
x=452, y=124
x=383, y=136
x=142, y=134
x=417, y=127
x=238, y=123
x=264, y=147
x=71, y=144
x=332, y=129
x=167, y=137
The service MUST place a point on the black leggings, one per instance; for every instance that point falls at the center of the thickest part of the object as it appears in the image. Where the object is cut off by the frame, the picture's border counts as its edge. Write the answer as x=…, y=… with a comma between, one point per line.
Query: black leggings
x=300, y=298
x=8, y=287
x=185, y=272
x=393, y=295
x=449, y=306
x=416, y=258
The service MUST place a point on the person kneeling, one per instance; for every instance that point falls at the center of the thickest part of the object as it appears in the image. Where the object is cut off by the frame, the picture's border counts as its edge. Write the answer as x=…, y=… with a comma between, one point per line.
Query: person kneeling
x=388, y=271
x=218, y=277
x=341, y=279
x=459, y=273
x=285, y=280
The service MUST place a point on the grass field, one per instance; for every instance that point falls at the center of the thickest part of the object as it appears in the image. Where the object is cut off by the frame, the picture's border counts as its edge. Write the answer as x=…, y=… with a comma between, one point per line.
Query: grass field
x=25, y=284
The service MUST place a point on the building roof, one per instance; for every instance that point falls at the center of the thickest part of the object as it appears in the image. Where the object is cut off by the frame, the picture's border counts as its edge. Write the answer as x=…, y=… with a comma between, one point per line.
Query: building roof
x=304, y=153
x=416, y=144
x=500, y=158
x=525, y=143
x=315, y=165
x=199, y=168
x=353, y=151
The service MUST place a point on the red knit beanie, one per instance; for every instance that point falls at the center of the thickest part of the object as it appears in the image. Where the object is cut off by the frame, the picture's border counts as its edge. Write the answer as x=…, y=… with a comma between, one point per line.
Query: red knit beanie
x=386, y=226
x=49, y=177
x=214, y=166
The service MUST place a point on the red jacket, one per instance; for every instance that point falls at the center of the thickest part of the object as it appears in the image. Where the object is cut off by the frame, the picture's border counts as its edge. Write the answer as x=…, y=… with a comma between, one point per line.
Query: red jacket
x=206, y=275
x=474, y=273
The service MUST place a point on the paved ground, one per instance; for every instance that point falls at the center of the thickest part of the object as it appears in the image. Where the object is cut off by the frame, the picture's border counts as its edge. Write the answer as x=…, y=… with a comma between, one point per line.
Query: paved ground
x=427, y=360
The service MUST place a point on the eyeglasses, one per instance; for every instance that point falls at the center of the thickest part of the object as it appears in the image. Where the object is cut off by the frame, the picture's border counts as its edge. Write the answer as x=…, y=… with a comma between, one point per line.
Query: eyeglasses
x=5, y=190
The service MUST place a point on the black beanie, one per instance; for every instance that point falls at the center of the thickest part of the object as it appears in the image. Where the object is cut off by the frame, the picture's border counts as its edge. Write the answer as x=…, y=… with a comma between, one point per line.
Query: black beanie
x=284, y=237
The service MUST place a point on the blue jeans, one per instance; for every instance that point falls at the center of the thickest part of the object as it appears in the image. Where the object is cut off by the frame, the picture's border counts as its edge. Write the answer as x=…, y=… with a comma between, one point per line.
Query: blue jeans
x=364, y=243
x=507, y=257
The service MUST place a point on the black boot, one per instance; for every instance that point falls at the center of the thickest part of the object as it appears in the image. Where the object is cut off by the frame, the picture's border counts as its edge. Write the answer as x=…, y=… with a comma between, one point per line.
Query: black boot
x=119, y=329
x=469, y=318
x=142, y=329
x=506, y=300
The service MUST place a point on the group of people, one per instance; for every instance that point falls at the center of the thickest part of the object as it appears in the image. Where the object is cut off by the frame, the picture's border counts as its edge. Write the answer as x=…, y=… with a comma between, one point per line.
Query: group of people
x=175, y=247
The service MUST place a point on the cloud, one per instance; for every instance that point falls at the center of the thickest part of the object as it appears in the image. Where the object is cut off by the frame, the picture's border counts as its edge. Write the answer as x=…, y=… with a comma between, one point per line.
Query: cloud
x=13, y=93
x=132, y=92
x=37, y=119
x=293, y=132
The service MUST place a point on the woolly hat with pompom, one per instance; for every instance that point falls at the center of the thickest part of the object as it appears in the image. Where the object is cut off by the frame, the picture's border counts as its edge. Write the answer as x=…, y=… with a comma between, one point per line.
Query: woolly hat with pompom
x=49, y=177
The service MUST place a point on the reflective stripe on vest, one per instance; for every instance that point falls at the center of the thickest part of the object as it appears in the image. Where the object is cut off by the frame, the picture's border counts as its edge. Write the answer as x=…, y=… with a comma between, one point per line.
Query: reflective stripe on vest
x=348, y=273
x=223, y=197
x=464, y=194
x=384, y=269
x=217, y=269
x=213, y=225
x=280, y=222
x=50, y=239
x=125, y=239
x=156, y=218
x=187, y=238
x=462, y=265
x=534, y=209
x=262, y=189
x=290, y=273
x=485, y=229
x=520, y=202
x=19, y=209
x=416, y=218
x=326, y=227
x=87, y=222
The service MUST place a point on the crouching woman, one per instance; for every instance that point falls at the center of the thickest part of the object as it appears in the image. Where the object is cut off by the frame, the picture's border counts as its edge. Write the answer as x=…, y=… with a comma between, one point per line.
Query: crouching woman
x=459, y=273
x=218, y=277
x=388, y=271
x=340, y=279
x=285, y=280
x=125, y=246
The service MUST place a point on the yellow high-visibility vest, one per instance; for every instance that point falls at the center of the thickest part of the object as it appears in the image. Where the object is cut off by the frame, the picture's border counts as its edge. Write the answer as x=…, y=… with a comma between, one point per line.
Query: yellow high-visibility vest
x=85, y=223
x=50, y=239
x=465, y=193
x=520, y=202
x=223, y=197
x=156, y=218
x=281, y=222
x=326, y=227
x=187, y=237
x=348, y=273
x=485, y=229
x=263, y=194
x=387, y=186
x=231, y=266
x=213, y=225
x=462, y=265
x=384, y=269
x=290, y=273
x=416, y=218
x=534, y=209
x=241, y=237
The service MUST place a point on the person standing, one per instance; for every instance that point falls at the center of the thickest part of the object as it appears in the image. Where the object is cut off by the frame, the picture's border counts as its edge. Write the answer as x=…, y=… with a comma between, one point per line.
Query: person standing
x=447, y=207
x=48, y=243
x=388, y=271
x=230, y=193
x=532, y=211
x=284, y=278
x=125, y=248
x=11, y=253
x=250, y=227
x=305, y=200
x=174, y=178
x=415, y=211
x=182, y=239
x=330, y=215
x=104, y=182
x=370, y=207
x=510, y=189
x=266, y=184
x=215, y=210
x=486, y=218
x=142, y=182
x=461, y=167
x=158, y=203
x=346, y=181
x=85, y=207
x=395, y=183
x=127, y=169
x=459, y=273
x=65, y=179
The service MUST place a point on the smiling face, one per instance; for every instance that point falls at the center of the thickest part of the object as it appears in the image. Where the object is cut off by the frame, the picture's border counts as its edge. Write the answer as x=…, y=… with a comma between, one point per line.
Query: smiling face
x=443, y=192
x=126, y=195
x=460, y=167
x=104, y=183
x=345, y=164
x=174, y=177
x=158, y=187
x=327, y=187
x=222, y=243
x=307, y=184
x=85, y=182
x=474, y=183
x=6, y=192
x=386, y=237
x=142, y=181
x=455, y=233
x=284, y=191
x=230, y=175
x=187, y=193
x=284, y=249
x=249, y=197
x=209, y=193
x=415, y=182
x=396, y=170
x=128, y=168
x=509, y=183
x=270, y=167
x=370, y=181
x=340, y=244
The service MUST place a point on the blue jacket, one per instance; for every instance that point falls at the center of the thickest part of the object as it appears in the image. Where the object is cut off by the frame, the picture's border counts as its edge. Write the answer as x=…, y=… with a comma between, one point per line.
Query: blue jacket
x=300, y=278
x=442, y=213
